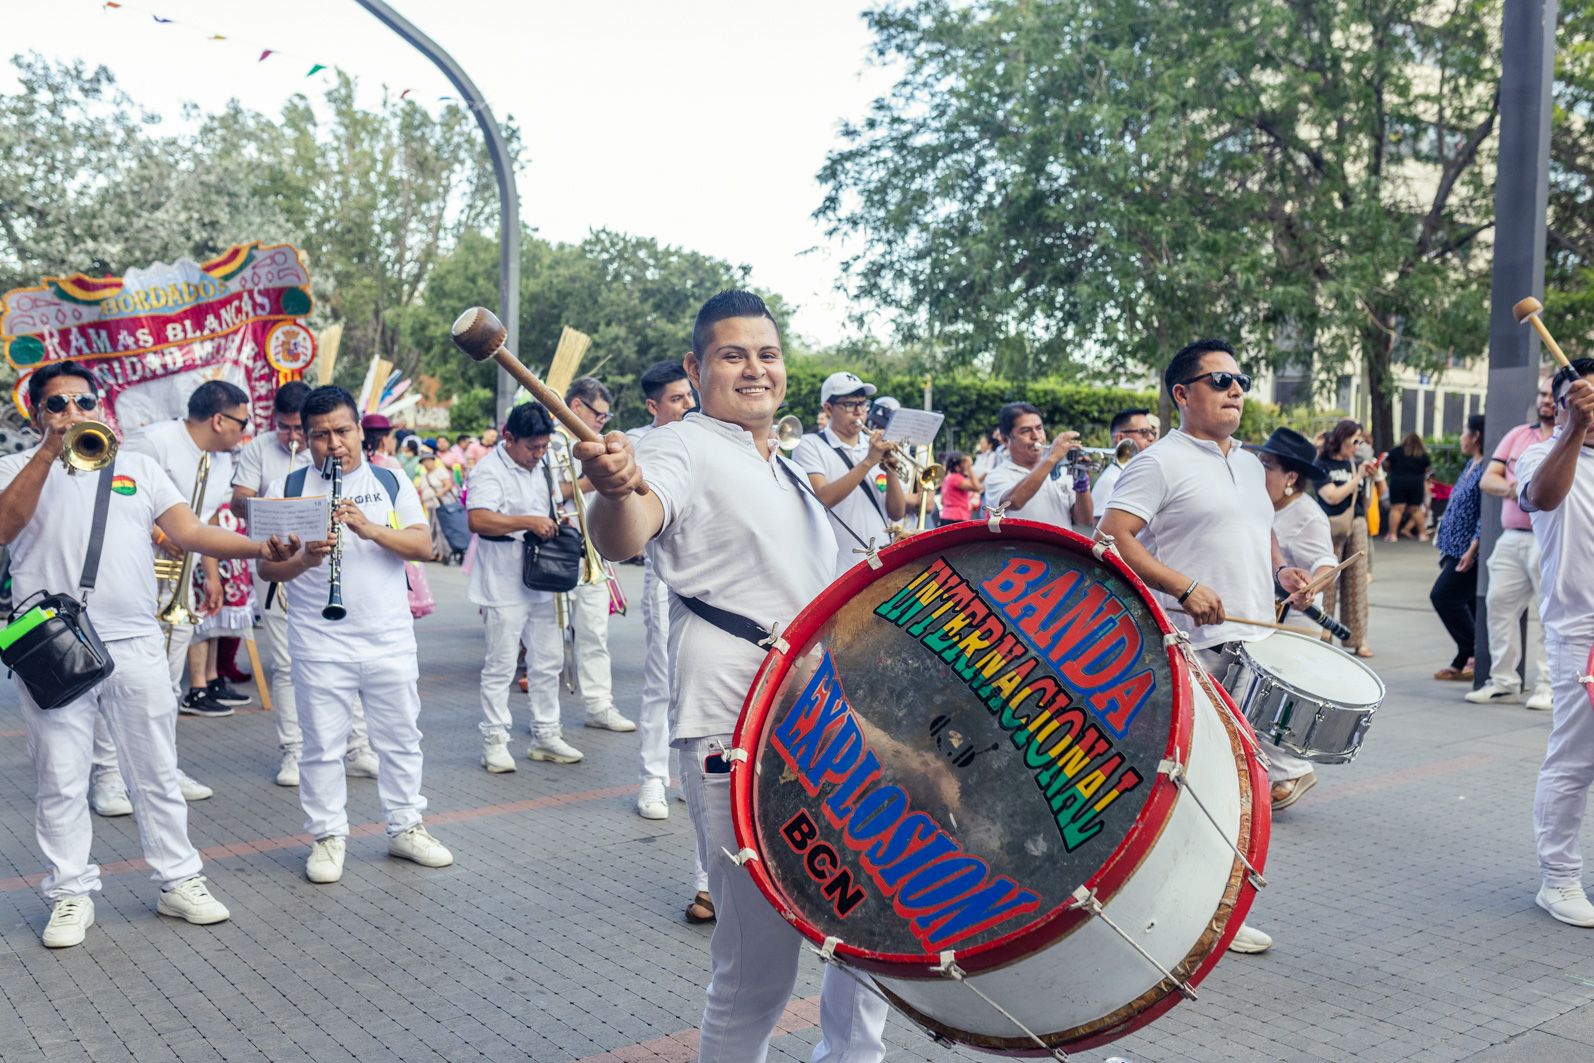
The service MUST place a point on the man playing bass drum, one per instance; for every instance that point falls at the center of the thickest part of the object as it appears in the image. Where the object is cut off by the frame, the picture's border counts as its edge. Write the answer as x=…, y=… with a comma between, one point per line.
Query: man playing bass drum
x=369, y=653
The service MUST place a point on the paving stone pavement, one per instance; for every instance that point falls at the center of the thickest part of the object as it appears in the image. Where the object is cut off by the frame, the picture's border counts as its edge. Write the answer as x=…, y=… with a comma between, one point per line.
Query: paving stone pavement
x=1401, y=898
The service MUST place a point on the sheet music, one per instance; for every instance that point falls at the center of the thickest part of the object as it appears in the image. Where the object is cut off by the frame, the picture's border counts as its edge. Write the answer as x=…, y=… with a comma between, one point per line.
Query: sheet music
x=918, y=427
x=305, y=517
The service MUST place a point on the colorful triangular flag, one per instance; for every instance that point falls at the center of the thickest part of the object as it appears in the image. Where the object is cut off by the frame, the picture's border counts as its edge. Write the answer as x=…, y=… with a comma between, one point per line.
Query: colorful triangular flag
x=264, y=55
x=317, y=68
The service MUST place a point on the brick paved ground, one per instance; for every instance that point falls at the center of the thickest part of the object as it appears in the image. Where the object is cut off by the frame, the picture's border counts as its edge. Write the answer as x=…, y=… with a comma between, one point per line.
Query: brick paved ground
x=1401, y=898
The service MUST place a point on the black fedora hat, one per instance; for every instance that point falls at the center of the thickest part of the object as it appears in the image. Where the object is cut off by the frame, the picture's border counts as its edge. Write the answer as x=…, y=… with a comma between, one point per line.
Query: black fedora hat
x=1295, y=452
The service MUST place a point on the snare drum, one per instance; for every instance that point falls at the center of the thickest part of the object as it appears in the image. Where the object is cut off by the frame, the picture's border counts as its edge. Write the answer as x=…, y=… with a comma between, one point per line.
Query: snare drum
x=1306, y=696
x=986, y=776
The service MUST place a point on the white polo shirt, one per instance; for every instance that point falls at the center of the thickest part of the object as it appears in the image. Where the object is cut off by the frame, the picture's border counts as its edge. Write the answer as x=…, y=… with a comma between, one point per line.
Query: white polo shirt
x=1304, y=536
x=48, y=553
x=1566, y=545
x=375, y=592
x=498, y=485
x=1051, y=504
x=737, y=534
x=174, y=450
x=1101, y=494
x=1209, y=517
x=264, y=459
x=864, y=507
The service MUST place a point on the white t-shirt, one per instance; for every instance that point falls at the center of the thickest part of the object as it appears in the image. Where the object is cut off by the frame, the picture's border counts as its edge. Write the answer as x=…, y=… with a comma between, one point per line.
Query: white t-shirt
x=1051, y=504
x=169, y=443
x=737, y=534
x=1101, y=494
x=1209, y=517
x=264, y=460
x=374, y=589
x=498, y=485
x=49, y=551
x=864, y=513
x=1304, y=536
x=1566, y=545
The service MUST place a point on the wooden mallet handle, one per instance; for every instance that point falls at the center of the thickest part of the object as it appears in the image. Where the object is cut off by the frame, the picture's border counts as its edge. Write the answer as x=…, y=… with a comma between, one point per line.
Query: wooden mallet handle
x=480, y=334
x=1528, y=310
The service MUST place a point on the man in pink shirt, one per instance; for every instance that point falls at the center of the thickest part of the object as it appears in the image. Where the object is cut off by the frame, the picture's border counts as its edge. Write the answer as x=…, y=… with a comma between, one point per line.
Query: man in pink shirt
x=1514, y=568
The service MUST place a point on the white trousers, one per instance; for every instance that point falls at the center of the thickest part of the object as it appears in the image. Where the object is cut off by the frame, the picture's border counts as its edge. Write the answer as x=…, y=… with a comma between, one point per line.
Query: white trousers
x=1561, y=797
x=1513, y=589
x=653, y=721
x=326, y=691
x=507, y=627
x=136, y=705
x=754, y=951
x=176, y=657
x=273, y=647
x=589, y=615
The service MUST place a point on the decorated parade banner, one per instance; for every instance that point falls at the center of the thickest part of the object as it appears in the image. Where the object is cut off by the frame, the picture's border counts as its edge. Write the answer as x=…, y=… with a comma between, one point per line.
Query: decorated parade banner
x=156, y=334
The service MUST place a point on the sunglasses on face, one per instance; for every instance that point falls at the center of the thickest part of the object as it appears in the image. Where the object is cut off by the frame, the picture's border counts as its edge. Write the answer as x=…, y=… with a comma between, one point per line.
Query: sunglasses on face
x=1221, y=381
x=242, y=422
x=59, y=403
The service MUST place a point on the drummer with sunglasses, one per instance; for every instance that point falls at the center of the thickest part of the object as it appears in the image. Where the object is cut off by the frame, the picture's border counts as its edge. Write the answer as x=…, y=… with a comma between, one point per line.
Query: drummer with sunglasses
x=1191, y=515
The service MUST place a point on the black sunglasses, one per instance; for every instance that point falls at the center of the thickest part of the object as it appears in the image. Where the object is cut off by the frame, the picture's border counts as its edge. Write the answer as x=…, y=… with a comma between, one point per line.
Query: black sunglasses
x=1221, y=381
x=58, y=403
x=243, y=422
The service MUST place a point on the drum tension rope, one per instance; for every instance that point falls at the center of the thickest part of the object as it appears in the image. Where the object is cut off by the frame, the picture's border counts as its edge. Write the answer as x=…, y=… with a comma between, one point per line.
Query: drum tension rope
x=1085, y=900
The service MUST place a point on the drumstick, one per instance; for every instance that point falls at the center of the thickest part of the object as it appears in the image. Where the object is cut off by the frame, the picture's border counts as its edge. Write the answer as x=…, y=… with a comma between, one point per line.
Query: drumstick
x=480, y=334
x=1528, y=310
x=1231, y=619
x=1317, y=584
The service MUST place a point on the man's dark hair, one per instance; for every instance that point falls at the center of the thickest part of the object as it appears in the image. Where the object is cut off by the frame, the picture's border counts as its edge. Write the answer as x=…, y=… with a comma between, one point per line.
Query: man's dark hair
x=290, y=397
x=1184, y=363
x=1475, y=422
x=48, y=372
x=1563, y=379
x=324, y=400
x=1123, y=417
x=527, y=420
x=589, y=390
x=1009, y=415
x=658, y=376
x=213, y=397
x=727, y=304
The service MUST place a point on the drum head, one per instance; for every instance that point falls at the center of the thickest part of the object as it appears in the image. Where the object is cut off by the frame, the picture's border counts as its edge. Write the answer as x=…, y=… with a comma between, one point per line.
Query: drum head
x=1309, y=664
x=955, y=743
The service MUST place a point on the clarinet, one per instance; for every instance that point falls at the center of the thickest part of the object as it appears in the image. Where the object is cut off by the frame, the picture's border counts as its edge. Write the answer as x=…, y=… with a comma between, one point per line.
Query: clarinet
x=333, y=470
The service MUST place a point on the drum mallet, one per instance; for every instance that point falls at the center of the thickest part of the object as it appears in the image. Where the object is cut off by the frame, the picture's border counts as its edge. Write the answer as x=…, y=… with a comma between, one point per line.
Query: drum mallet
x=480, y=334
x=1528, y=310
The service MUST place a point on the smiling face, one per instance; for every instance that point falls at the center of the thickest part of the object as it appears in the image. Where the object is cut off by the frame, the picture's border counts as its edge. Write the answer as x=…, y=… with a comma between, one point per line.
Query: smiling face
x=741, y=376
x=1207, y=412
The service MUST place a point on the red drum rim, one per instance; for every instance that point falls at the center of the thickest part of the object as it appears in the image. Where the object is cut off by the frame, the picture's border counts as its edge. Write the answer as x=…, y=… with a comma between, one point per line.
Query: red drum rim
x=1115, y=870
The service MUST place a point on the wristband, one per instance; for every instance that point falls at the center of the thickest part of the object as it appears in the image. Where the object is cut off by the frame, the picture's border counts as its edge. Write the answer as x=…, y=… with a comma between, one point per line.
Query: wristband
x=1081, y=483
x=1188, y=591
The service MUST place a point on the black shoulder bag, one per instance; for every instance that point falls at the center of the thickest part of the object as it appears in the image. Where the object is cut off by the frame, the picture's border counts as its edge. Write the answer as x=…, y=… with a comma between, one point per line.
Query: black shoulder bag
x=49, y=641
x=553, y=564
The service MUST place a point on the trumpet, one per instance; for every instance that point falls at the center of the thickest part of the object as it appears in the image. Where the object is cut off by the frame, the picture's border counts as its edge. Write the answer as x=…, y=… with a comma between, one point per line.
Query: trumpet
x=1079, y=458
x=176, y=610
x=925, y=476
x=88, y=446
x=591, y=564
x=788, y=432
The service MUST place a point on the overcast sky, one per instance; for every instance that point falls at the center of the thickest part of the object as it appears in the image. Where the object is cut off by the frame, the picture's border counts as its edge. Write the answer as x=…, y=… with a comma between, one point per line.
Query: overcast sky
x=698, y=122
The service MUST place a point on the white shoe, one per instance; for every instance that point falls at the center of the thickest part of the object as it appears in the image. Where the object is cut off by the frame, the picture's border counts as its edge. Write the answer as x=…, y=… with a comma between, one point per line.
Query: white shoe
x=496, y=758
x=1569, y=904
x=1542, y=699
x=193, y=790
x=1250, y=940
x=69, y=922
x=554, y=749
x=360, y=764
x=325, y=863
x=415, y=844
x=1489, y=694
x=191, y=900
x=651, y=803
x=108, y=797
x=288, y=773
x=610, y=720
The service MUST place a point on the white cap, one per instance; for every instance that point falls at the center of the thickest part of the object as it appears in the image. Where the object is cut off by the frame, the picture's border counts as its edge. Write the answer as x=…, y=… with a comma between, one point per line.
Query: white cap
x=843, y=384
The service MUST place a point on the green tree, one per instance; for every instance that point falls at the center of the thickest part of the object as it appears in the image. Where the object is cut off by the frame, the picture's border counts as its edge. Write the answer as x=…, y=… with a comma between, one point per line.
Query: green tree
x=1569, y=269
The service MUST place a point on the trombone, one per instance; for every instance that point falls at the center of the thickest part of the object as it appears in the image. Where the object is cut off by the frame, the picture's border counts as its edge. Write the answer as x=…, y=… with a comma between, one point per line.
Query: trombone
x=591, y=564
x=176, y=610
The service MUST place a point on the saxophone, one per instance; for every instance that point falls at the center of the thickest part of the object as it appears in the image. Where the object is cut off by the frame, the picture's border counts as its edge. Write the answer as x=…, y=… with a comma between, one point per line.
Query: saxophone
x=176, y=610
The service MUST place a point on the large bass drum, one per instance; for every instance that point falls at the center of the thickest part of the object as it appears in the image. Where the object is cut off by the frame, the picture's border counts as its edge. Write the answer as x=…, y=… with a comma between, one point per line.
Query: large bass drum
x=981, y=773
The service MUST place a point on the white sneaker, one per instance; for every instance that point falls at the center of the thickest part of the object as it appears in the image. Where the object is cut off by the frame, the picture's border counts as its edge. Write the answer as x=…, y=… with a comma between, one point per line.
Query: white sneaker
x=495, y=756
x=288, y=773
x=325, y=863
x=415, y=844
x=1250, y=940
x=651, y=803
x=193, y=790
x=108, y=797
x=1569, y=904
x=360, y=764
x=555, y=749
x=191, y=900
x=610, y=720
x=1489, y=694
x=1542, y=699
x=69, y=922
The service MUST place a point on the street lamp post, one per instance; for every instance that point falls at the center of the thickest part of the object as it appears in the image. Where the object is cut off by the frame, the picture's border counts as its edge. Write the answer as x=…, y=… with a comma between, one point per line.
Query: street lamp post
x=503, y=170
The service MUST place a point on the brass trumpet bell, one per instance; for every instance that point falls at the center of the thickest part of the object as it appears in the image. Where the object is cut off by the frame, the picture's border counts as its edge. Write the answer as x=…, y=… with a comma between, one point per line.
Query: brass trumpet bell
x=88, y=447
